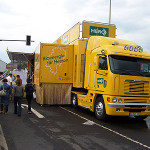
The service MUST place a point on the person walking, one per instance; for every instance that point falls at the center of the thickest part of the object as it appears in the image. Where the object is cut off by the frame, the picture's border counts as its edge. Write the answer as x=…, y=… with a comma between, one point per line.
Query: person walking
x=18, y=77
x=4, y=100
x=18, y=92
x=29, y=94
x=9, y=79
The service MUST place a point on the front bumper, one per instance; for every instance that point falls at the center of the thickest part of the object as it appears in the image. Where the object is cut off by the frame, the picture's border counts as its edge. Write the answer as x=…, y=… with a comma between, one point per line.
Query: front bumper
x=125, y=109
x=128, y=105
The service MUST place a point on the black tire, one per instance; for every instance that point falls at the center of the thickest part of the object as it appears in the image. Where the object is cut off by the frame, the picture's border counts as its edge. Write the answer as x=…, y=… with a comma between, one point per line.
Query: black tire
x=74, y=100
x=141, y=117
x=99, y=109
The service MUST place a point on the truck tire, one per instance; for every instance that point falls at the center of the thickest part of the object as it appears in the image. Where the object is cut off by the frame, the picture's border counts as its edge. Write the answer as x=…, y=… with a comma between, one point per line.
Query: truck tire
x=74, y=100
x=99, y=109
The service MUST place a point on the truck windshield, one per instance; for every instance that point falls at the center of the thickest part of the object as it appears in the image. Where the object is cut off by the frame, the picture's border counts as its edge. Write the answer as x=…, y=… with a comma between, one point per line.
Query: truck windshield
x=129, y=65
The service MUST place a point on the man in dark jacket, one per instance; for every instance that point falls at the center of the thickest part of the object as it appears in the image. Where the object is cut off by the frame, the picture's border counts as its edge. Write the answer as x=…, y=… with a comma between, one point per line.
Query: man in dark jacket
x=29, y=94
x=4, y=101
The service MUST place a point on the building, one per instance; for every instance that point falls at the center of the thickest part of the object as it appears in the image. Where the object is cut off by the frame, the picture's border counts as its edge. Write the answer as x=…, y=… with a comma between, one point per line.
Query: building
x=2, y=66
x=13, y=66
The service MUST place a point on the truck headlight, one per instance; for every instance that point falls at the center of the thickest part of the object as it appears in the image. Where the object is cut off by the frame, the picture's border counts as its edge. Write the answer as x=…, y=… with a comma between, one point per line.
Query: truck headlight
x=140, y=49
x=131, y=48
x=114, y=100
x=136, y=49
x=126, y=47
x=120, y=100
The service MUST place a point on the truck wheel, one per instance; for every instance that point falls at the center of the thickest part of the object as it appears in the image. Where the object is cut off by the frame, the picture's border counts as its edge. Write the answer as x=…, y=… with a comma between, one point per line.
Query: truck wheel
x=141, y=117
x=74, y=100
x=99, y=109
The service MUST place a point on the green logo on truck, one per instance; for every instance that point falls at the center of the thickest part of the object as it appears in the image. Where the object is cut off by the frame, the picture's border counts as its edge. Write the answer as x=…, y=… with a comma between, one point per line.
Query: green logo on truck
x=100, y=80
x=99, y=31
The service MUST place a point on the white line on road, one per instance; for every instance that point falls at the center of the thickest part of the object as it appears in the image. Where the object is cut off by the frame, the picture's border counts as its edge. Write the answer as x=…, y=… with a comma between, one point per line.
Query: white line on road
x=107, y=129
x=3, y=144
x=34, y=111
x=89, y=123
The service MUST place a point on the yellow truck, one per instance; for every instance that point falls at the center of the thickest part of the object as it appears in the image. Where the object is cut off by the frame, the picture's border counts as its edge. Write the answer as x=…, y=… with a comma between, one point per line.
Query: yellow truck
x=109, y=76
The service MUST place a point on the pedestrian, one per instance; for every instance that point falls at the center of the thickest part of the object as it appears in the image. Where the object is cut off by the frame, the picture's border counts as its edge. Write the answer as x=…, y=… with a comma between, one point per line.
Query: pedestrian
x=28, y=75
x=18, y=92
x=18, y=77
x=29, y=94
x=9, y=79
x=4, y=100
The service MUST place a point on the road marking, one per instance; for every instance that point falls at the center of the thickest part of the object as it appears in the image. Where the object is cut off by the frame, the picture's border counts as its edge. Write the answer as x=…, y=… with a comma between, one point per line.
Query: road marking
x=34, y=111
x=3, y=144
x=107, y=128
x=89, y=123
x=22, y=106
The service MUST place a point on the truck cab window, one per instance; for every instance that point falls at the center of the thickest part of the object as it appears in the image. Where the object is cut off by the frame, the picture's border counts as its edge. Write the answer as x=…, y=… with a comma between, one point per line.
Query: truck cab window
x=134, y=66
x=102, y=63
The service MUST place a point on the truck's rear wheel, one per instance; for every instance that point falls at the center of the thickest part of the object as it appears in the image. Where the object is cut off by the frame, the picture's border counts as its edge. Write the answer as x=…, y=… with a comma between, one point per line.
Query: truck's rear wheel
x=99, y=109
x=74, y=100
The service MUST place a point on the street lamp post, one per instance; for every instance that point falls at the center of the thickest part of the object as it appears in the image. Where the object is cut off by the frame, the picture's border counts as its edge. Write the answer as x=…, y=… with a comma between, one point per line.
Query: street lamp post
x=110, y=13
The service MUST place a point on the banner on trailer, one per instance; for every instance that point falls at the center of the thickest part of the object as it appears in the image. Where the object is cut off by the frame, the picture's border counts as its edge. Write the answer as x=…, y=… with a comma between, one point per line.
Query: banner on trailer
x=23, y=76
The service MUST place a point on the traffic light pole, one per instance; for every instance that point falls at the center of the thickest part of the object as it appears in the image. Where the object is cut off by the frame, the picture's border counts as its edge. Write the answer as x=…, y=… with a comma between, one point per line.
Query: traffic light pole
x=28, y=40
x=16, y=40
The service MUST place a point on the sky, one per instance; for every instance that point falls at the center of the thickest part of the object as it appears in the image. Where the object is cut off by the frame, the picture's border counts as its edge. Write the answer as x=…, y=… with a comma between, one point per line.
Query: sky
x=47, y=20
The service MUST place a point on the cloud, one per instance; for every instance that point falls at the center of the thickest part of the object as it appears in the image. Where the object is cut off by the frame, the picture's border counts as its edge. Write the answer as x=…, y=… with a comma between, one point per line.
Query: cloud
x=47, y=20
x=4, y=8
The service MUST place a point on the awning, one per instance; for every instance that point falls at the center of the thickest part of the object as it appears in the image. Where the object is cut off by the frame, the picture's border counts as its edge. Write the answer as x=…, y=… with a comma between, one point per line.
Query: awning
x=20, y=56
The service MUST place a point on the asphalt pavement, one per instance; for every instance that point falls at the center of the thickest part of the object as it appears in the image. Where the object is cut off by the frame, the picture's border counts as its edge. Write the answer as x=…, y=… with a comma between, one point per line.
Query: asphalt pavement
x=67, y=128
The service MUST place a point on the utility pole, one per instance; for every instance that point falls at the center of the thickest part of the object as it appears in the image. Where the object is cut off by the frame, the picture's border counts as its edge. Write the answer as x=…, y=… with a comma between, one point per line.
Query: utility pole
x=110, y=13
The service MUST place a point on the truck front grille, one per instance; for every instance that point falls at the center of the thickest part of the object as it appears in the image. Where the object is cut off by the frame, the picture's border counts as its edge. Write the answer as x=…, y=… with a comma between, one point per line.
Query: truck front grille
x=136, y=87
x=136, y=100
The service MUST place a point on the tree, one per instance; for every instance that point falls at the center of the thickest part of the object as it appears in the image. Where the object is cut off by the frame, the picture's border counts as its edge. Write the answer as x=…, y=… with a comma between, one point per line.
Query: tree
x=22, y=65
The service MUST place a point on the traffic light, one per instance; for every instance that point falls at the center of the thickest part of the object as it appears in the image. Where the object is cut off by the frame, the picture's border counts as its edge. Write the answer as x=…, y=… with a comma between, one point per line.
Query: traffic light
x=28, y=40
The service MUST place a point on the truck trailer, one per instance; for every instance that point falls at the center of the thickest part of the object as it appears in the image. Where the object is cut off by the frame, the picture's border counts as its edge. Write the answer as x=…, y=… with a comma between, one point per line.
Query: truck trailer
x=108, y=76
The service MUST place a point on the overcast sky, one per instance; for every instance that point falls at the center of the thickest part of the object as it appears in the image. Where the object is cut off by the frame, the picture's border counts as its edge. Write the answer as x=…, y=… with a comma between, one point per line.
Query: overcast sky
x=46, y=20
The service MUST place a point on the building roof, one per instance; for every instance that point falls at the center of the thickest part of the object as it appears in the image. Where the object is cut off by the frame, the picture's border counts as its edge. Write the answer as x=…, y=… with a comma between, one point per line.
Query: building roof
x=3, y=61
x=20, y=56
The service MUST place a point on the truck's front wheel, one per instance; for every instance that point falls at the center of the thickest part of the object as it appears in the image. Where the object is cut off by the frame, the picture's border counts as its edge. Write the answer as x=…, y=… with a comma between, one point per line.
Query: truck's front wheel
x=99, y=109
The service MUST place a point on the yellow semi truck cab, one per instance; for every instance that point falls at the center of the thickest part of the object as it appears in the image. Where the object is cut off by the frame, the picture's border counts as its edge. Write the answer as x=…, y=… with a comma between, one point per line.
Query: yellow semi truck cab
x=116, y=79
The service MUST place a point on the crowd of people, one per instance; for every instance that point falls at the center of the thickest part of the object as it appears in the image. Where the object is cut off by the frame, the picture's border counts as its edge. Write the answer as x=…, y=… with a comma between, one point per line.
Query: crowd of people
x=15, y=94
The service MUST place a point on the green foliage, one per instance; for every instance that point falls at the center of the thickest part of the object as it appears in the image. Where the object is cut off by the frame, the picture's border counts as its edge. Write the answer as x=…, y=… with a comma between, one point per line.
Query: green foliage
x=22, y=65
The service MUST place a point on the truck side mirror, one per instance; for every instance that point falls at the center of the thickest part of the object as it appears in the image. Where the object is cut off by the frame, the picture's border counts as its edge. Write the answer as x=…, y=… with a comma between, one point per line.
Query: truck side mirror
x=96, y=63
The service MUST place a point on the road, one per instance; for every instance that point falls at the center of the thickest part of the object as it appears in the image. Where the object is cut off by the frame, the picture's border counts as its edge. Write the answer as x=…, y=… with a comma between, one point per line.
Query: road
x=67, y=128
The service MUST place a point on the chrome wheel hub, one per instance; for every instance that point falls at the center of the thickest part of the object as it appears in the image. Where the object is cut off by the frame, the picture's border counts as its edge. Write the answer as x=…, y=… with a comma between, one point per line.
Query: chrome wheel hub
x=99, y=109
x=74, y=101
